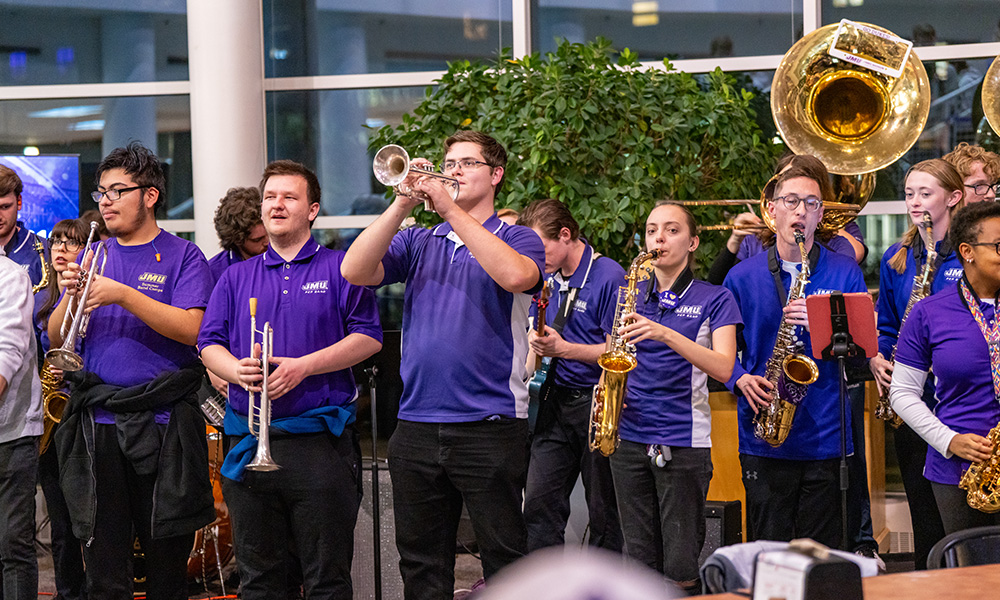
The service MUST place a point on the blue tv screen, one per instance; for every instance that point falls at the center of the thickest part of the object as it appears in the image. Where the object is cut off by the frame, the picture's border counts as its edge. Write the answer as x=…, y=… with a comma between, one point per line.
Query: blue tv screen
x=51, y=189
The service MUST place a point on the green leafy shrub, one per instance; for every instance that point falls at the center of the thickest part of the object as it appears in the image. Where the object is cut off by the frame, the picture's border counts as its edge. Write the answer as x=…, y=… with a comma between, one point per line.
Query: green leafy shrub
x=592, y=127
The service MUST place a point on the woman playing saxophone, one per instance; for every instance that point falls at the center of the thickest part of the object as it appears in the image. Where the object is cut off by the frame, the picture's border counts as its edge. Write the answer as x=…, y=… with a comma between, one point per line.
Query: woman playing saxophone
x=921, y=263
x=955, y=334
x=684, y=331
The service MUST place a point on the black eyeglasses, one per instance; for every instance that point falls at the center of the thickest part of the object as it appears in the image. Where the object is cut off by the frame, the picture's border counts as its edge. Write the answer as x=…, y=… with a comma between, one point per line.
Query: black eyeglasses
x=791, y=202
x=468, y=163
x=996, y=245
x=114, y=194
x=71, y=245
x=982, y=188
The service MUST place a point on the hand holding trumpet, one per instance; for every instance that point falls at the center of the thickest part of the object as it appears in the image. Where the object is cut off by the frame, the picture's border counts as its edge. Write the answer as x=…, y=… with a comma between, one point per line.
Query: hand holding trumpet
x=103, y=290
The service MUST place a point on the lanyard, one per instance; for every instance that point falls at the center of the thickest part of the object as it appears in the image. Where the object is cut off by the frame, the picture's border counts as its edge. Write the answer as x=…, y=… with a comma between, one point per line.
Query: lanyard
x=990, y=331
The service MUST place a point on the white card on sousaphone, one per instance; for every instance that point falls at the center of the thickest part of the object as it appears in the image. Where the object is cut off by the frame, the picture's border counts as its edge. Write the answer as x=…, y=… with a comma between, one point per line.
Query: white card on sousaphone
x=871, y=48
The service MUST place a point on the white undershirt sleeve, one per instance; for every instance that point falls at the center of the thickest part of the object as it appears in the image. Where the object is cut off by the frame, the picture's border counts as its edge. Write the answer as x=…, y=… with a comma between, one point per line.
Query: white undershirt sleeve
x=905, y=397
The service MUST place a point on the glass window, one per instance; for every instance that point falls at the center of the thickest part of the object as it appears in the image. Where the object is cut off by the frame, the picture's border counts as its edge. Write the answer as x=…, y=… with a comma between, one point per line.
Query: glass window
x=656, y=29
x=91, y=127
x=338, y=37
x=76, y=43
x=328, y=132
x=925, y=22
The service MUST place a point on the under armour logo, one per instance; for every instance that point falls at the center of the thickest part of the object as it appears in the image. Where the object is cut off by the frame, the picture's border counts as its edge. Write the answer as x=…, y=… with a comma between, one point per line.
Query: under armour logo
x=751, y=475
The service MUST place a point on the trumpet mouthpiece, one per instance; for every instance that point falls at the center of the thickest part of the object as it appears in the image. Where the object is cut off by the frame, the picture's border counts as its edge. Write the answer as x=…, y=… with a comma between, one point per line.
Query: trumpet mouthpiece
x=253, y=307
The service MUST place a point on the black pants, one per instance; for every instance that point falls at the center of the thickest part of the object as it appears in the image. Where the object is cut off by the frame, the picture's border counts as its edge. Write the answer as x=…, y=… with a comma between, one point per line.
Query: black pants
x=928, y=528
x=434, y=468
x=67, y=552
x=124, y=505
x=663, y=508
x=788, y=499
x=859, y=507
x=309, y=505
x=559, y=453
x=956, y=514
x=18, y=472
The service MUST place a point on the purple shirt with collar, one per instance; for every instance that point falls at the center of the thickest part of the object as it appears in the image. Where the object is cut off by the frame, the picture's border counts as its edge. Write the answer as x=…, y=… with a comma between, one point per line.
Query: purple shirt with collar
x=595, y=303
x=119, y=347
x=941, y=332
x=310, y=306
x=465, y=338
x=666, y=400
x=222, y=261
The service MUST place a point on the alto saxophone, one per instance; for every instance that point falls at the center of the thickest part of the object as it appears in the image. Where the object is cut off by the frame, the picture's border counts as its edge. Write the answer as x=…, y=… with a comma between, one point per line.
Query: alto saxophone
x=606, y=408
x=54, y=401
x=921, y=289
x=788, y=370
x=982, y=479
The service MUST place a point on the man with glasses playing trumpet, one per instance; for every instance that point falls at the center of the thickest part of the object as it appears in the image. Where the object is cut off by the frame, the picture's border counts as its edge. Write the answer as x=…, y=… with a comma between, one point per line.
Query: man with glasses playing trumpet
x=463, y=415
x=132, y=452
x=303, y=489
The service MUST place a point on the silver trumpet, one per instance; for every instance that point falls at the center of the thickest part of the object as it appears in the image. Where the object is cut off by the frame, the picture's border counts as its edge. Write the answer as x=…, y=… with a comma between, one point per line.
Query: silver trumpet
x=259, y=409
x=392, y=166
x=65, y=357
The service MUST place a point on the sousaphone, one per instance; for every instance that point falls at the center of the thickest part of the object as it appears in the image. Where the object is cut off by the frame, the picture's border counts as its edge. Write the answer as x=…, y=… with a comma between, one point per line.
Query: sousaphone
x=991, y=95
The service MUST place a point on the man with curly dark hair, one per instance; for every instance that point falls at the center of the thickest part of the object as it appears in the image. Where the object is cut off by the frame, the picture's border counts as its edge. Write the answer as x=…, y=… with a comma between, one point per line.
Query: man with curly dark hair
x=239, y=227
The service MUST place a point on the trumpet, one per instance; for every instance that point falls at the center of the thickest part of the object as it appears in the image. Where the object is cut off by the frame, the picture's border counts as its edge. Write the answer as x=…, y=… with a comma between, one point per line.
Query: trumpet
x=259, y=409
x=392, y=166
x=65, y=357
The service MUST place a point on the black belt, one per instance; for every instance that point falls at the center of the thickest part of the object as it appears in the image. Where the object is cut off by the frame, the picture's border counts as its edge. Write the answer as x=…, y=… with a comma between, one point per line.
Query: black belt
x=572, y=392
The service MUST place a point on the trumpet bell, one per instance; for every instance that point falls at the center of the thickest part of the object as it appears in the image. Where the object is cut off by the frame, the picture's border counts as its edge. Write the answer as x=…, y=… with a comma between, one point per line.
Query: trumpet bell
x=391, y=165
x=64, y=359
x=854, y=119
x=991, y=95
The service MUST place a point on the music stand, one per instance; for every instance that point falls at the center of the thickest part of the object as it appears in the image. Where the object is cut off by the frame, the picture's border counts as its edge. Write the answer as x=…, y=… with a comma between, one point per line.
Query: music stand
x=842, y=326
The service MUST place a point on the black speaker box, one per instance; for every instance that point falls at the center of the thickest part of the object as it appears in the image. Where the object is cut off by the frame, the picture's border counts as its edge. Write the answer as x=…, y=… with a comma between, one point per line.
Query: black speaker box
x=723, y=526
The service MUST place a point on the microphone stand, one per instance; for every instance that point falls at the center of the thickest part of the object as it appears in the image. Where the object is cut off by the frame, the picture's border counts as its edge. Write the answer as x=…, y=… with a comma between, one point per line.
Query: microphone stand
x=376, y=520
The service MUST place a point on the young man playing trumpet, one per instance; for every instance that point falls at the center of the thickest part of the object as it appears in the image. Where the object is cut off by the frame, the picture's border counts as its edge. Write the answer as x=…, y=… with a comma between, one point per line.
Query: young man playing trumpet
x=132, y=454
x=462, y=432
x=322, y=327
x=792, y=488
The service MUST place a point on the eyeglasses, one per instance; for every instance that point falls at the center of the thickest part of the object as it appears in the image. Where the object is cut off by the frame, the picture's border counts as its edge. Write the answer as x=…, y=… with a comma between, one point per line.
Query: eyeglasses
x=71, y=245
x=114, y=194
x=982, y=189
x=996, y=245
x=467, y=163
x=791, y=202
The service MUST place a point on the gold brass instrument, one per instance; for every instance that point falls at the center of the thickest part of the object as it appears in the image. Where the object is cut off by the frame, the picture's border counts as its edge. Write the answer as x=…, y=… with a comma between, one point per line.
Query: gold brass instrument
x=392, y=165
x=991, y=95
x=921, y=289
x=44, y=281
x=259, y=410
x=65, y=357
x=835, y=214
x=606, y=408
x=788, y=370
x=982, y=479
x=854, y=119
x=54, y=401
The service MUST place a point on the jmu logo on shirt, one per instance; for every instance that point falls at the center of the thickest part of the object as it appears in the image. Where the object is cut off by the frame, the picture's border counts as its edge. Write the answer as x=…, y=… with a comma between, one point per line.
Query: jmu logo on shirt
x=316, y=287
x=822, y=291
x=953, y=274
x=580, y=306
x=691, y=311
x=151, y=282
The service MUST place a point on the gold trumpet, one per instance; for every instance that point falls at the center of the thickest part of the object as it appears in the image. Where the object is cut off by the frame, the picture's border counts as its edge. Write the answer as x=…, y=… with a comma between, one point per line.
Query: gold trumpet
x=259, y=410
x=392, y=166
x=65, y=357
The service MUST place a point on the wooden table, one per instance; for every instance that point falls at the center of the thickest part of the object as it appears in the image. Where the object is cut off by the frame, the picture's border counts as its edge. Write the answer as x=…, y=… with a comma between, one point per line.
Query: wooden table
x=967, y=582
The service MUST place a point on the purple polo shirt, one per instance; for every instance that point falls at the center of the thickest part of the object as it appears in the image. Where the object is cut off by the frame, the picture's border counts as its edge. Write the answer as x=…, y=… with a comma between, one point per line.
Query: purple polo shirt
x=310, y=306
x=119, y=347
x=222, y=261
x=666, y=400
x=941, y=332
x=595, y=303
x=465, y=338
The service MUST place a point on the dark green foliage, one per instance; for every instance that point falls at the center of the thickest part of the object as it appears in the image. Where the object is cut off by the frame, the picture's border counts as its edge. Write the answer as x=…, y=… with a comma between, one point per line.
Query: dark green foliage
x=588, y=125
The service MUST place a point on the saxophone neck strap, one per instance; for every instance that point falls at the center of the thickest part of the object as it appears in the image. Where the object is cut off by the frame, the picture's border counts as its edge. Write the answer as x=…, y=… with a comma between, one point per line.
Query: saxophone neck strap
x=669, y=299
x=566, y=304
x=990, y=330
x=774, y=266
x=920, y=252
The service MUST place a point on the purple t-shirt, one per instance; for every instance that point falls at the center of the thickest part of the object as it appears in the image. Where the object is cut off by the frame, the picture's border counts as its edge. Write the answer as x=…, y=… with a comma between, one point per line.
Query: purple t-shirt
x=941, y=332
x=310, y=306
x=222, y=261
x=666, y=400
x=465, y=338
x=595, y=303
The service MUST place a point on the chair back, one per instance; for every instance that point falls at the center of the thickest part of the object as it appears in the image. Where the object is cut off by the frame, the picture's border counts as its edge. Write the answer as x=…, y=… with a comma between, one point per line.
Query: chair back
x=975, y=546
